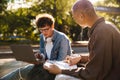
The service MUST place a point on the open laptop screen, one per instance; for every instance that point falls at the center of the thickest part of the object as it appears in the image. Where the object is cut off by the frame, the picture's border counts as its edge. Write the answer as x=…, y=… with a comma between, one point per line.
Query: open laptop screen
x=23, y=53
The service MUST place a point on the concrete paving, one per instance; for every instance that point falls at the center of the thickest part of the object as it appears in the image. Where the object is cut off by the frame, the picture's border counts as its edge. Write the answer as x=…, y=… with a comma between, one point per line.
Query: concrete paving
x=8, y=65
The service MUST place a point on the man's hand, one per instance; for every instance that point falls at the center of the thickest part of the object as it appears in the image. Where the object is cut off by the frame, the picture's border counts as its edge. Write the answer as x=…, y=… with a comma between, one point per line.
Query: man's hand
x=73, y=59
x=52, y=68
x=38, y=56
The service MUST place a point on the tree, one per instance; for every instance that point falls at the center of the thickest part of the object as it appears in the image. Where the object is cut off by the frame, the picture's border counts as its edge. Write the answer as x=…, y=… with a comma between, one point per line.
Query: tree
x=3, y=27
x=19, y=21
x=60, y=9
x=114, y=18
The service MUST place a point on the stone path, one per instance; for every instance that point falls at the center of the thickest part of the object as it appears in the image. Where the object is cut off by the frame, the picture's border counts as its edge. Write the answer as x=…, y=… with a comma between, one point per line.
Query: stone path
x=8, y=65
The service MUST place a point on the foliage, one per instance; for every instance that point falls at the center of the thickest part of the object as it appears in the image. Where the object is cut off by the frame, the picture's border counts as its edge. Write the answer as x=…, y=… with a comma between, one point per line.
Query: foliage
x=60, y=9
x=20, y=22
x=114, y=18
x=3, y=5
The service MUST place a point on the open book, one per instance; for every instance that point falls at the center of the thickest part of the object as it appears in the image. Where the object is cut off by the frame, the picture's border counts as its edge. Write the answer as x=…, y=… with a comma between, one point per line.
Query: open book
x=60, y=64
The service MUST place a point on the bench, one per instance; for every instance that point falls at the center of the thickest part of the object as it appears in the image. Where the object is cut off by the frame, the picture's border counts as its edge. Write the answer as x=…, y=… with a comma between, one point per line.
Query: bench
x=5, y=51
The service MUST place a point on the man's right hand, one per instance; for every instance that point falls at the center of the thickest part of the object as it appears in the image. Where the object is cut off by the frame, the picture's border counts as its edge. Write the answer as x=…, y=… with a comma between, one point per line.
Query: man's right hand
x=52, y=68
x=37, y=55
x=40, y=57
x=73, y=59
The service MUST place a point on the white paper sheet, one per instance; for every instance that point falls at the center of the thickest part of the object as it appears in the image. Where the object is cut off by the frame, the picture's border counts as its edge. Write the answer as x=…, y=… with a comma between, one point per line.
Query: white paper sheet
x=60, y=64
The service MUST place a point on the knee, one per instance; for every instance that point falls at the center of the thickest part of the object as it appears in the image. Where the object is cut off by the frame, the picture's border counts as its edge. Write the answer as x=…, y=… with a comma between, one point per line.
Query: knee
x=59, y=77
x=65, y=77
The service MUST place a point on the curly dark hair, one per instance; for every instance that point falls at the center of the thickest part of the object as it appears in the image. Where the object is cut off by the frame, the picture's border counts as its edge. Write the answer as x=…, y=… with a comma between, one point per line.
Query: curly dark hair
x=44, y=19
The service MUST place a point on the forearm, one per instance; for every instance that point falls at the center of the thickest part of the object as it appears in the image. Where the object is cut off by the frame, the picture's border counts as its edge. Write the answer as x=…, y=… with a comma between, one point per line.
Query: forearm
x=84, y=58
x=74, y=72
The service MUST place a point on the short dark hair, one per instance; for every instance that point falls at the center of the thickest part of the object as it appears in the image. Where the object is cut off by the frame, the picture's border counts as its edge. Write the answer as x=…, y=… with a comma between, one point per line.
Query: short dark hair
x=44, y=19
x=84, y=7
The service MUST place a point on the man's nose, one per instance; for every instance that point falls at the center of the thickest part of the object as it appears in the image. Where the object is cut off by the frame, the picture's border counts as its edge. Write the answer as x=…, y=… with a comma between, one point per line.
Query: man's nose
x=43, y=32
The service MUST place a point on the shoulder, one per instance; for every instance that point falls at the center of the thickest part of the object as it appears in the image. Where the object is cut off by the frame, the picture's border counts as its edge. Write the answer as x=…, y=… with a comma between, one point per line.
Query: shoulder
x=41, y=36
x=59, y=34
x=105, y=27
x=105, y=30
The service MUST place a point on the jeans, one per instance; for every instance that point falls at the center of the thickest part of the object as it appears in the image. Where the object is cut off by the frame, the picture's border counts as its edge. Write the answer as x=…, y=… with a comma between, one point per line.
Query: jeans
x=65, y=77
x=18, y=74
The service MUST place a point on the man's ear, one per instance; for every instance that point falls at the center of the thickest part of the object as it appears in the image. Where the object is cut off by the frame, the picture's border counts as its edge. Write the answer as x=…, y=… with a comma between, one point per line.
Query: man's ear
x=52, y=26
x=82, y=16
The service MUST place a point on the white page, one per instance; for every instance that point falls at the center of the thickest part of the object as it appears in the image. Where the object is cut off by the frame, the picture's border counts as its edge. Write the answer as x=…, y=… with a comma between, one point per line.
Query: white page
x=60, y=64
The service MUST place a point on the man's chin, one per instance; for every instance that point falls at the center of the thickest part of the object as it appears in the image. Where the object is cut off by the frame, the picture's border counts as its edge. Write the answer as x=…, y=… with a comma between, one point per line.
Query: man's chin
x=84, y=26
x=45, y=36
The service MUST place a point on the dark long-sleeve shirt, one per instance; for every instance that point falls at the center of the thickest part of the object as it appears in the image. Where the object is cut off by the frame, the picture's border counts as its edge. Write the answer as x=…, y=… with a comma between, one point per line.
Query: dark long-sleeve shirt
x=104, y=54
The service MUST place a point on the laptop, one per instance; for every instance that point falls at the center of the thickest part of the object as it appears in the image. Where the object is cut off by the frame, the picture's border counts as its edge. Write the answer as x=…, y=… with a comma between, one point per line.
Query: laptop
x=23, y=53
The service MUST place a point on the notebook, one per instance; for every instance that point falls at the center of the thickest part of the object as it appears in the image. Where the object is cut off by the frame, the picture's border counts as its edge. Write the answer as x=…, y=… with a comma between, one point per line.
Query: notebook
x=61, y=64
x=23, y=53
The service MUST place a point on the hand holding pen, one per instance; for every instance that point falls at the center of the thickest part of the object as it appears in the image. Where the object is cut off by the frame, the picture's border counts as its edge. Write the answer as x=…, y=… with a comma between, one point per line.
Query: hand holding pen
x=73, y=59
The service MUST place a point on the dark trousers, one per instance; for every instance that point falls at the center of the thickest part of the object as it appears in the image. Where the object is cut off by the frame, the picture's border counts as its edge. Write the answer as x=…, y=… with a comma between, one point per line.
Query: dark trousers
x=39, y=73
